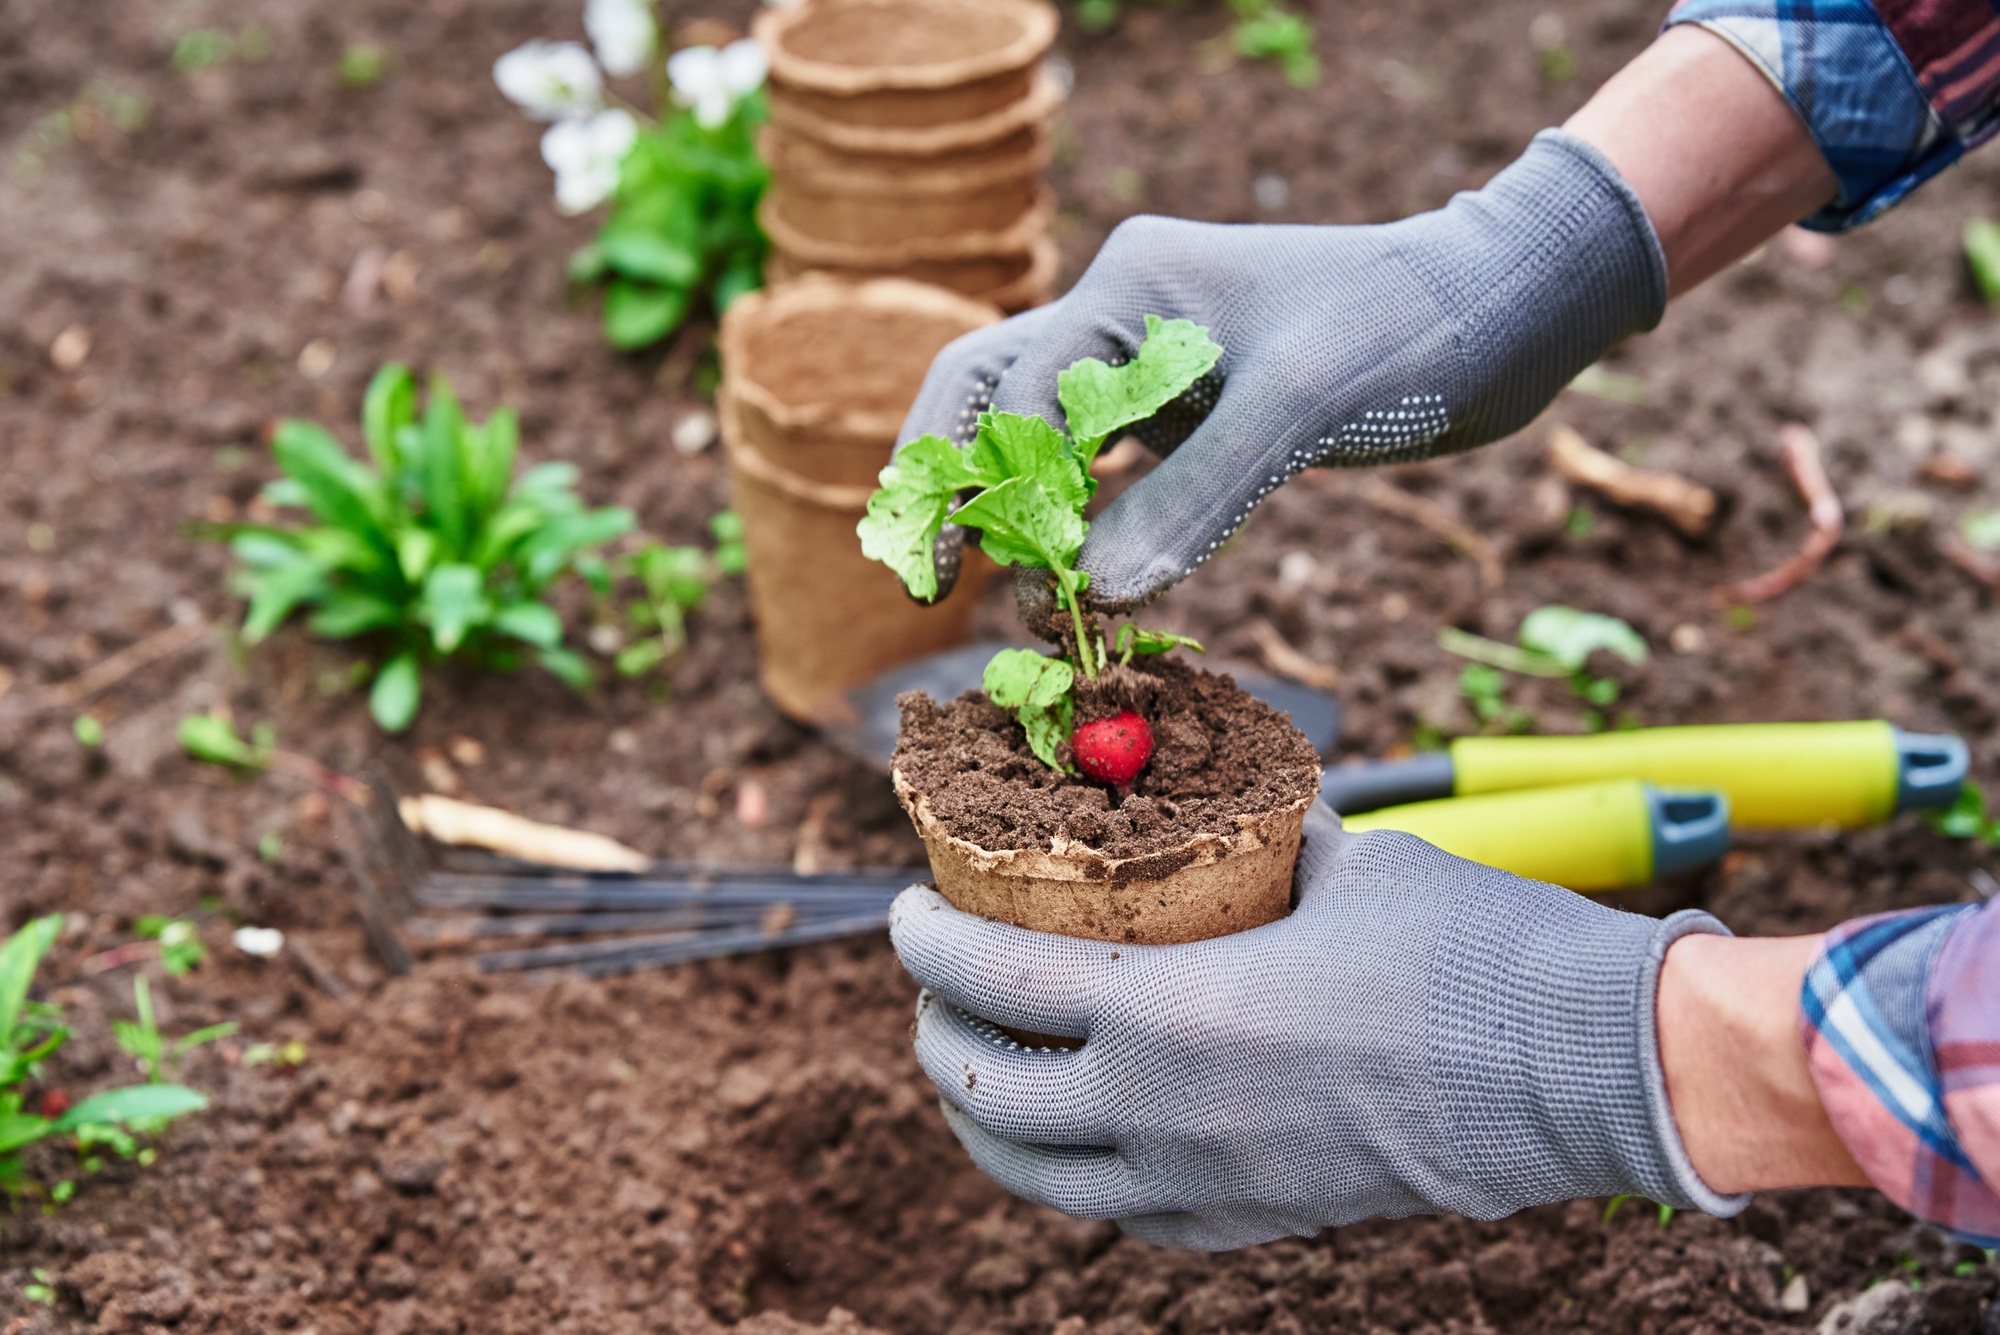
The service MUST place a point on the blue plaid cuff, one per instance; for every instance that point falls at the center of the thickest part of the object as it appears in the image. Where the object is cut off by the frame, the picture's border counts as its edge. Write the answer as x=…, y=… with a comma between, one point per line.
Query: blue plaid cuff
x=1842, y=70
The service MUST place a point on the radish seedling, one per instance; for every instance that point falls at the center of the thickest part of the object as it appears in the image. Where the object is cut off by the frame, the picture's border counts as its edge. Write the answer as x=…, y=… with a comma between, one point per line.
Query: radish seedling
x=438, y=550
x=1033, y=482
x=676, y=581
x=31, y=1032
x=141, y=1038
x=181, y=950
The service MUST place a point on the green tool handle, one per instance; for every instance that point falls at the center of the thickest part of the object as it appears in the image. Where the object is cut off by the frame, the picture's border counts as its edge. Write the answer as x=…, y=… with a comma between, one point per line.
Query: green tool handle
x=1596, y=836
x=1776, y=775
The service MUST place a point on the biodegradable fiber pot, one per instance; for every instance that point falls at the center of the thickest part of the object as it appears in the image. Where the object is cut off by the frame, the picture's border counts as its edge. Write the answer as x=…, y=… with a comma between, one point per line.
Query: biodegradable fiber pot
x=875, y=200
x=1148, y=883
x=816, y=378
x=904, y=64
x=1012, y=281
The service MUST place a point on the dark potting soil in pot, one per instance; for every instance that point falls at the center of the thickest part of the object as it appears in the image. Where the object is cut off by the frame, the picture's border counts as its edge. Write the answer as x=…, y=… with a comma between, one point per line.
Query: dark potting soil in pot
x=1218, y=753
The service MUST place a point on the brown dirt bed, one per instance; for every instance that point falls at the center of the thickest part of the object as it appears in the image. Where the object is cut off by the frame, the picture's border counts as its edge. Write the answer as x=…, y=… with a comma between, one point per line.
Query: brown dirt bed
x=751, y=1142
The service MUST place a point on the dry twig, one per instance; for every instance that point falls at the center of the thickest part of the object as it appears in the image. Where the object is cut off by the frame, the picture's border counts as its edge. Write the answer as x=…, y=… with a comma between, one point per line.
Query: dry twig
x=1473, y=546
x=1802, y=461
x=1961, y=554
x=1284, y=659
x=1688, y=505
x=108, y=672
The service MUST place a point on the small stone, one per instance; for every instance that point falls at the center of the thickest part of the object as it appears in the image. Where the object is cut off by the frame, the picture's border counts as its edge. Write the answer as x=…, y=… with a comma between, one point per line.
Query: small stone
x=695, y=431
x=753, y=805
x=1688, y=639
x=316, y=359
x=70, y=349
x=467, y=751
x=1395, y=607
x=1272, y=192
x=1796, y=1297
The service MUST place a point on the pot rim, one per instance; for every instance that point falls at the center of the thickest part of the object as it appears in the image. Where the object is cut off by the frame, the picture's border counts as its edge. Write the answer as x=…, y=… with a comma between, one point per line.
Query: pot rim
x=925, y=141
x=906, y=177
x=1037, y=24
x=1066, y=860
x=820, y=292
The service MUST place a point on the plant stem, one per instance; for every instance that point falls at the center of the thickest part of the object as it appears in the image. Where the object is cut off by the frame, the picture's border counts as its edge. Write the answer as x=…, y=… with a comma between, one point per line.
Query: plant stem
x=1077, y=631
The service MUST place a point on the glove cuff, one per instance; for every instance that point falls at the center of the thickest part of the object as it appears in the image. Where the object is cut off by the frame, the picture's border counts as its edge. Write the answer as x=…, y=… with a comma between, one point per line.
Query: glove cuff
x=1671, y=1179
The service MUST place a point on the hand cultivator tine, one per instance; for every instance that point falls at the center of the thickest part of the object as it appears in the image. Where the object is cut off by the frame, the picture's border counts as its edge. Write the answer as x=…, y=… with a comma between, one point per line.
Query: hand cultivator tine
x=375, y=920
x=397, y=849
x=549, y=895
x=604, y=958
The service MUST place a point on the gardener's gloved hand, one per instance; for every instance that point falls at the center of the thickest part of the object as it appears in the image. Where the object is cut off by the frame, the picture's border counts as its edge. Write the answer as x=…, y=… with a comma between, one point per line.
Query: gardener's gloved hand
x=1341, y=345
x=1421, y=1034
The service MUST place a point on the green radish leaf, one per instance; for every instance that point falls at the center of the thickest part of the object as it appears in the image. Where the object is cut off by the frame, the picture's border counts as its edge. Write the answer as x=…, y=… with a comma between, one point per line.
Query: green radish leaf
x=650, y=258
x=284, y=491
x=397, y=692
x=544, y=552
x=534, y=623
x=639, y=315
x=20, y=956
x=453, y=602
x=1099, y=399
x=502, y=446
x=390, y=405
x=918, y=489
x=1022, y=524
x=1132, y=640
x=677, y=575
x=1037, y=688
x=265, y=549
x=547, y=486
x=1011, y=446
x=132, y=1104
x=1570, y=636
x=341, y=491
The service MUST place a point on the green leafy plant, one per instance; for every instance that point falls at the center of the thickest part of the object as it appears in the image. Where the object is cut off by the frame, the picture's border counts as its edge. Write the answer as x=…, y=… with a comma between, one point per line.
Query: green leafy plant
x=1553, y=641
x=1263, y=30
x=683, y=225
x=181, y=950
x=1485, y=690
x=1967, y=818
x=434, y=550
x=675, y=581
x=1982, y=256
x=30, y=1032
x=1981, y=530
x=141, y=1038
x=1032, y=483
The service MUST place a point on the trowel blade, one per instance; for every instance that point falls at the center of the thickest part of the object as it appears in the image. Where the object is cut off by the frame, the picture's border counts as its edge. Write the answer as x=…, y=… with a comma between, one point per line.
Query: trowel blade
x=947, y=675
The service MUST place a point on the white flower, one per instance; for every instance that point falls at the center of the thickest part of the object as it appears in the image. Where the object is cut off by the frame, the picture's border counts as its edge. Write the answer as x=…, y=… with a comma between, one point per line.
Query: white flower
x=711, y=80
x=624, y=32
x=551, y=81
x=585, y=155
x=263, y=942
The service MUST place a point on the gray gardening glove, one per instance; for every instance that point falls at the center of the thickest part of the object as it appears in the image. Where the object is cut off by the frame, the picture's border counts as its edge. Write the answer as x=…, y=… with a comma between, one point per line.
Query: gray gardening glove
x=1422, y=1034
x=1341, y=345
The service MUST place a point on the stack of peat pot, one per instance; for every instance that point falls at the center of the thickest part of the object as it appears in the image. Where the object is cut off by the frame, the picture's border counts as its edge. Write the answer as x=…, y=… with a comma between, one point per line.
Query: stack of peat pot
x=908, y=138
x=817, y=376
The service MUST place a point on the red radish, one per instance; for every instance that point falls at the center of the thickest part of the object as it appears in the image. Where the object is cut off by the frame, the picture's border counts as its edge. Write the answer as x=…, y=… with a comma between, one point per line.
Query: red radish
x=1113, y=749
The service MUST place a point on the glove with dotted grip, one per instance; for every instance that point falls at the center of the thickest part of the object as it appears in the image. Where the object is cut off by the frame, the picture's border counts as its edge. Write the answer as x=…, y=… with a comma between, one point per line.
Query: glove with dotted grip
x=1341, y=346
x=1421, y=1034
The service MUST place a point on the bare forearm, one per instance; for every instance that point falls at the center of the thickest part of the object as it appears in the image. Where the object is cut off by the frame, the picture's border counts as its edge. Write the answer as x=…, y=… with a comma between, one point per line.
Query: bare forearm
x=1744, y=1099
x=1715, y=154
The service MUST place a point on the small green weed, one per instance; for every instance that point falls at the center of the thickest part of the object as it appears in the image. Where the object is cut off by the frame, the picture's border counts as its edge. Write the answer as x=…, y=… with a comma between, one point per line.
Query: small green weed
x=142, y=1040
x=363, y=65
x=1982, y=256
x=434, y=550
x=1263, y=30
x=181, y=950
x=31, y=1032
x=1966, y=818
x=1553, y=641
x=674, y=582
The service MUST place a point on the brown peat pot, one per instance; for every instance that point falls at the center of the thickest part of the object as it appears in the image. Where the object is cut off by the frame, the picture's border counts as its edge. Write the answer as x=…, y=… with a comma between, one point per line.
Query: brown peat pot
x=904, y=64
x=1013, y=282
x=1006, y=237
x=817, y=376
x=1072, y=868
x=883, y=200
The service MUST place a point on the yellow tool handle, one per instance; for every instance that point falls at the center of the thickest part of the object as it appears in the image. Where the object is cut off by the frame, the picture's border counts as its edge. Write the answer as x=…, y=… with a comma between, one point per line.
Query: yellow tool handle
x=1596, y=836
x=1775, y=775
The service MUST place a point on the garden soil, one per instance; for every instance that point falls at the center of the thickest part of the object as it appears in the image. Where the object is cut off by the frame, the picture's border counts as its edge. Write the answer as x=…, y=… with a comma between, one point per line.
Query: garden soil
x=749, y=1145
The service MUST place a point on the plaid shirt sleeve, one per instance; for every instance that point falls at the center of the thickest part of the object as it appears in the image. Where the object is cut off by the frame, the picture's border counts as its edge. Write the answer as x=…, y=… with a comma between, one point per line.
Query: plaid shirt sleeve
x=1893, y=91
x=1902, y=1031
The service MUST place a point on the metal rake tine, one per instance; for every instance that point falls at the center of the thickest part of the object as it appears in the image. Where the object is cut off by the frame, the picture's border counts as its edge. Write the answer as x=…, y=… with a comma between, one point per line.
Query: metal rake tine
x=721, y=945
x=453, y=931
